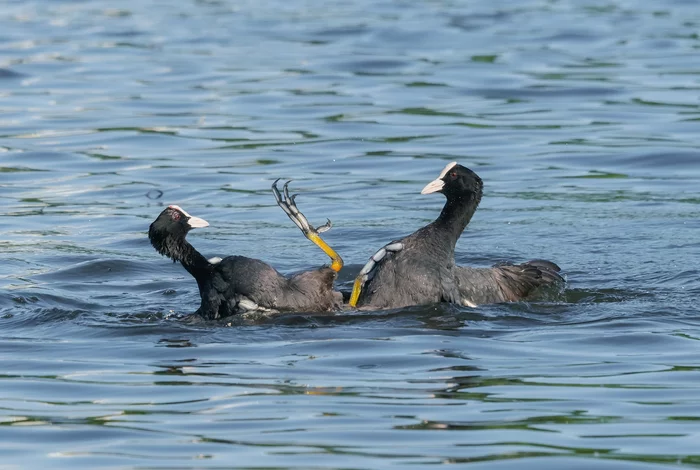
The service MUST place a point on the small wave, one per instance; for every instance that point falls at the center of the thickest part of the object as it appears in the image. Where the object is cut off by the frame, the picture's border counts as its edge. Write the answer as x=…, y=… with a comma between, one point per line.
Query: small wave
x=9, y=74
x=102, y=269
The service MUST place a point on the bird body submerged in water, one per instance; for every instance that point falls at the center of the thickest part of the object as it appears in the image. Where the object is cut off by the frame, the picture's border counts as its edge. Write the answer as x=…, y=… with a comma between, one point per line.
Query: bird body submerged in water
x=236, y=284
x=420, y=268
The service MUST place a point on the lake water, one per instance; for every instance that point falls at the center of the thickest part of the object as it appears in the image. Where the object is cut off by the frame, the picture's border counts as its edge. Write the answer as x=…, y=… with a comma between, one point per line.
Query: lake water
x=581, y=117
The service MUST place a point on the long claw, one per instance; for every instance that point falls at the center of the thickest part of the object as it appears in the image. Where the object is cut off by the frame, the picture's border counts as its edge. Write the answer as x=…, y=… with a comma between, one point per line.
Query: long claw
x=276, y=191
x=285, y=188
x=288, y=204
x=325, y=227
x=299, y=216
x=293, y=203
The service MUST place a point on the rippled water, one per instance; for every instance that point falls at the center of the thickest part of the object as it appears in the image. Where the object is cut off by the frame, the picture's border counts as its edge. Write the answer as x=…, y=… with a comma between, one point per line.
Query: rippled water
x=582, y=118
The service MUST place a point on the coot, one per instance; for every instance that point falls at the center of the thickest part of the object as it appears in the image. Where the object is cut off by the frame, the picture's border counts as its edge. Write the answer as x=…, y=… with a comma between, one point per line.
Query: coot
x=420, y=268
x=237, y=284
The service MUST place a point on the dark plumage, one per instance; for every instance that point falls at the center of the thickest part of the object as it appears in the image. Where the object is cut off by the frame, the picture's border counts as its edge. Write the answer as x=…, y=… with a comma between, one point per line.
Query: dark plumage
x=236, y=284
x=505, y=282
x=420, y=268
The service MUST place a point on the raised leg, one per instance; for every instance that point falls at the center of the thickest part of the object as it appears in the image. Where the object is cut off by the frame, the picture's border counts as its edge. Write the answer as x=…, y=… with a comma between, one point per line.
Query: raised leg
x=288, y=205
x=367, y=270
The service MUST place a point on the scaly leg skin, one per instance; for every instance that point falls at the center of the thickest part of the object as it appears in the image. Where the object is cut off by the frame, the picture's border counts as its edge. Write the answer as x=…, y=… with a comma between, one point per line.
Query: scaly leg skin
x=289, y=207
x=367, y=270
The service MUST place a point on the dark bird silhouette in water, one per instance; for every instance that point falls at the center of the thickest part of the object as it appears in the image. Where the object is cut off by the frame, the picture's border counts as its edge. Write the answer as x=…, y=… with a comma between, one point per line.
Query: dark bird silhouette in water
x=420, y=268
x=237, y=284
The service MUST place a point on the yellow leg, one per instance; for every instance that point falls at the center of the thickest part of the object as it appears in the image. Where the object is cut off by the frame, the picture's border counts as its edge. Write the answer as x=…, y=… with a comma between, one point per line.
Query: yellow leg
x=364, y=273
x=290, y=208
x=356, y=289
x=336, y=260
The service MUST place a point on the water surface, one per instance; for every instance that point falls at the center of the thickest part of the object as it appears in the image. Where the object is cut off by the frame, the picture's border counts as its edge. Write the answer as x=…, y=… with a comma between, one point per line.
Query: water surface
x=581, y=117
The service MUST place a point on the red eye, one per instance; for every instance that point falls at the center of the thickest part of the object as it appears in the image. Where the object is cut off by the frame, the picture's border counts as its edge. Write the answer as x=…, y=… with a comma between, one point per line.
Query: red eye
x=175, y=216
x=453, y=174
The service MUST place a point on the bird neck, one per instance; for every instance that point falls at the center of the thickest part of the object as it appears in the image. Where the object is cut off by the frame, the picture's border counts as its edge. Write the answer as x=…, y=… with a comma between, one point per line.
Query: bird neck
x=191, y=259
x=179, y=249
x=456, y=214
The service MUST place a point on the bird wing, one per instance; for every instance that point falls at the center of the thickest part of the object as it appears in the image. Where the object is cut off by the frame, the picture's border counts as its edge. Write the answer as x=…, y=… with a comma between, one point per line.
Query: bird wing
x=505, y=282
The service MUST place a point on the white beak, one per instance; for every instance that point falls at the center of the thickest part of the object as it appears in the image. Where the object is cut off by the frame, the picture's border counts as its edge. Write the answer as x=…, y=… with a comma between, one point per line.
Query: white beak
x=433, y=187
x=196, y=222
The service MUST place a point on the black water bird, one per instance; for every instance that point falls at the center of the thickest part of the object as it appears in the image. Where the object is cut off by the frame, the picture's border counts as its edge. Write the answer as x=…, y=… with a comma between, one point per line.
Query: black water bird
x=236, y=284
x=420, y=268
